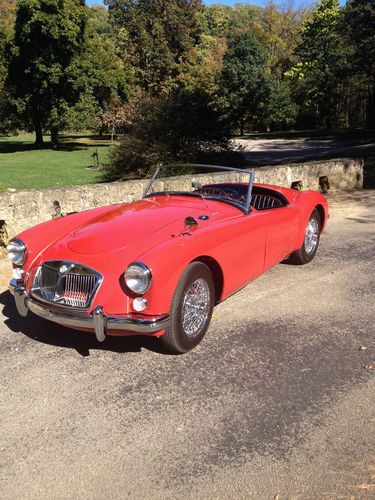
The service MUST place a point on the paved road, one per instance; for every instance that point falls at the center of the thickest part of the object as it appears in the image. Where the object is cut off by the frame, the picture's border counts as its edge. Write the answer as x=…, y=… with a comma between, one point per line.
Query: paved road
x=277, y=151
x=275, y=401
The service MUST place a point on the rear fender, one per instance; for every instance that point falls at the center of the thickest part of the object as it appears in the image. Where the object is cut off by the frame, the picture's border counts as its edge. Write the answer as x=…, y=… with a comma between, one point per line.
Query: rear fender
x=307, y=201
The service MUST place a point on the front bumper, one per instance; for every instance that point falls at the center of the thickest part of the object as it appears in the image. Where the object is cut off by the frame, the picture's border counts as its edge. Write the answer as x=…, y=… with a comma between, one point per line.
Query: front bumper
x=97, y=321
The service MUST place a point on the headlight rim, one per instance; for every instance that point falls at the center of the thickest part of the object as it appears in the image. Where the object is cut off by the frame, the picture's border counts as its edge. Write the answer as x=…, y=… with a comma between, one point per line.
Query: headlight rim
x=146, y=270
x=22, y=249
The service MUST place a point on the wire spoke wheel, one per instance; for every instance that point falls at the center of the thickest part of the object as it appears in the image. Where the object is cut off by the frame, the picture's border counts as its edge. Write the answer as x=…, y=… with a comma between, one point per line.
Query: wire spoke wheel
x=195, y=307
x=311, y=235
x=191, y=309
x=310, y=243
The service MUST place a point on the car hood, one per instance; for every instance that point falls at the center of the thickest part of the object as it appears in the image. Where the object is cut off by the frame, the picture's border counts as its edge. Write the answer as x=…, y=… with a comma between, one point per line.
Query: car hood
x=131, y=223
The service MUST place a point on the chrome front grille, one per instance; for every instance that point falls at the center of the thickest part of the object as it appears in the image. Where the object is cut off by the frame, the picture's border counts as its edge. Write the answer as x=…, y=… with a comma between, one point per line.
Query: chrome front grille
x=65, y=283
x=78, y=289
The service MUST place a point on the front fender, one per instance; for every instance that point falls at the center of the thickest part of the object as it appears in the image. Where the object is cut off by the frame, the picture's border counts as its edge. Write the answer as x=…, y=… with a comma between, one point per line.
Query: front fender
x=41, y=236
x=167, y=262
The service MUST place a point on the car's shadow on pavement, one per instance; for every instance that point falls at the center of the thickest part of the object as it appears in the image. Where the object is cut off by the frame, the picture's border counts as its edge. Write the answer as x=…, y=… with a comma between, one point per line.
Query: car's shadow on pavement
x=53, y=334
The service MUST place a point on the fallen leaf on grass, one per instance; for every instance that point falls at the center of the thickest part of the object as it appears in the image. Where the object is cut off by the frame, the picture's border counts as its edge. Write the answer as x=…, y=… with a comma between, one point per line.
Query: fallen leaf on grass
x=362, y=348
x=369, y=367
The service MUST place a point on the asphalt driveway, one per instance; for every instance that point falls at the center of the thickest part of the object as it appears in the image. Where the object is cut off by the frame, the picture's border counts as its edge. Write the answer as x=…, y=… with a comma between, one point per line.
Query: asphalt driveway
x=275, y=401
x=279, y=151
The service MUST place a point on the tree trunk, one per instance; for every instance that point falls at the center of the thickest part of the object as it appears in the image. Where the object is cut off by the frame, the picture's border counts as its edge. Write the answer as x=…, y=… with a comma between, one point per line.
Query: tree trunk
x=242, y=125
x=38, y=132
x=371, y=107
x=55, y=137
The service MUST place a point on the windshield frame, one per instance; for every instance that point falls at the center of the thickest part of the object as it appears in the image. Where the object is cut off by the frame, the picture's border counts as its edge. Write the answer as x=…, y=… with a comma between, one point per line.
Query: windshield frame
x=245, y=208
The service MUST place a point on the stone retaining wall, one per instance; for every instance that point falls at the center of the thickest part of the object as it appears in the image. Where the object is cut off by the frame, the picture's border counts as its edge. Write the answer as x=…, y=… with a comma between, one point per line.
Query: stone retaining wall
x=22, y=209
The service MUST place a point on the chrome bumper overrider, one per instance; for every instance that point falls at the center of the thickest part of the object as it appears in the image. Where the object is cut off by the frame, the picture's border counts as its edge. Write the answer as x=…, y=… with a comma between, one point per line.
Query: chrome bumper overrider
x=98, y=321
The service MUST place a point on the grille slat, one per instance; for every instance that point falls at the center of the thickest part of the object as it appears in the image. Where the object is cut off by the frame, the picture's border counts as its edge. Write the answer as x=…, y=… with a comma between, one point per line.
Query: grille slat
x=264, y=201
x=65, y=283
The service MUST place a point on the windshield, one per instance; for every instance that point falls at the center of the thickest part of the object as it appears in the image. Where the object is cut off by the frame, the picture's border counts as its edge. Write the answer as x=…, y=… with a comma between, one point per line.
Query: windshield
x=225, y=184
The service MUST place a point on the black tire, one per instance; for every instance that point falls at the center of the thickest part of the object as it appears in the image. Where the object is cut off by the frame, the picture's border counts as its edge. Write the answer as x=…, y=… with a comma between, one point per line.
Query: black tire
x=176, y=339
x=304, y=254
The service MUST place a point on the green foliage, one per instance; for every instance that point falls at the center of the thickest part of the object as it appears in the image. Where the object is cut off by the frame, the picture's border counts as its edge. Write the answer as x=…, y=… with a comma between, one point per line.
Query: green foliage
x=66, y=66
x=217, y=20
x=323, y=63
x=83, y=115
x=155, y=37
x=244, y=85
x=7, y=18
x=246, y=19
x=180, y=126
x=100, y=70
x=280, y=110
x=360, y=29
x=48, y=36
x=280, y=36
x=359, y=21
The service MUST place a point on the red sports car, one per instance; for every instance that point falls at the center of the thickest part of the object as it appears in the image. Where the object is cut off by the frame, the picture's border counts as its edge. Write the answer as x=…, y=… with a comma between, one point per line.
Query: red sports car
x=158, y=266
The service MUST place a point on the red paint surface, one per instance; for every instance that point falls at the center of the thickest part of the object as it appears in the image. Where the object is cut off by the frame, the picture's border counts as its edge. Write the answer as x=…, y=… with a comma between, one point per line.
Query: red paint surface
x=108, y=239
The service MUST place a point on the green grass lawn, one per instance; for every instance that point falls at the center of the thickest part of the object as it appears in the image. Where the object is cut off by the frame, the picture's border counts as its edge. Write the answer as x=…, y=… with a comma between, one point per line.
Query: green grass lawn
x=24, y=166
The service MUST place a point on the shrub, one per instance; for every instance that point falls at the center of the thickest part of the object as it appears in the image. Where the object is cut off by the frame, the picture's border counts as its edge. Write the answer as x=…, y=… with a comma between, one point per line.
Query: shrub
x=179, y=127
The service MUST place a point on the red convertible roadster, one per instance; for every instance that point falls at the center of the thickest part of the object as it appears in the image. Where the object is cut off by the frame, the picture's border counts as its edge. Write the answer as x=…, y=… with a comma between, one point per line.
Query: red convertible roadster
x=158, y=266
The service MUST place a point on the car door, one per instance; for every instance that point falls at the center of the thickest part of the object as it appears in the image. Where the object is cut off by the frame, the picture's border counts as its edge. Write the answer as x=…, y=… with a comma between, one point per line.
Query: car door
x=281, y=233
x=239, y=247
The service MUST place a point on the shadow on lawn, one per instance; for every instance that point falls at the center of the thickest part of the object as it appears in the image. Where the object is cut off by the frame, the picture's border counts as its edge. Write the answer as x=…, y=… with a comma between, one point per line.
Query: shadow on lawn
x=18, y=146
x=51, y=333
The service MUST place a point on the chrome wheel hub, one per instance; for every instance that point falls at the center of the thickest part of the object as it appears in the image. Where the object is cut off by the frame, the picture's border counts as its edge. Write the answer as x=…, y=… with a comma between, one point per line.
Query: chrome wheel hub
x=195, y=307
x=311, y=235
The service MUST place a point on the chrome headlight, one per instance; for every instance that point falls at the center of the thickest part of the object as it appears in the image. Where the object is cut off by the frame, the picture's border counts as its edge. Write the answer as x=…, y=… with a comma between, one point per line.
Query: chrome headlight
x=16, y=251
x=138, y=277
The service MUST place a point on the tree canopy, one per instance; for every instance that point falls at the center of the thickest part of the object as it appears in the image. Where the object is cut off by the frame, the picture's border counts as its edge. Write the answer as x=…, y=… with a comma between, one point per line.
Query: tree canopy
x=65, y=65
x=156, y=37
x=48, y=36
x=243, y=81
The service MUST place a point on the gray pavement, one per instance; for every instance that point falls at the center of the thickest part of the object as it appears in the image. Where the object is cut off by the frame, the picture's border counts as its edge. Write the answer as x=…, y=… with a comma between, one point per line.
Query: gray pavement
x=275, y=403
x=278, y=151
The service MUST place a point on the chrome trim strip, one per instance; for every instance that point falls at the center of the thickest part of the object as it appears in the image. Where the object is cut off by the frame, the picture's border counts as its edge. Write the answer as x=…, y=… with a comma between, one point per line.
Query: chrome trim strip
x=97, y=321
x=20, y=299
